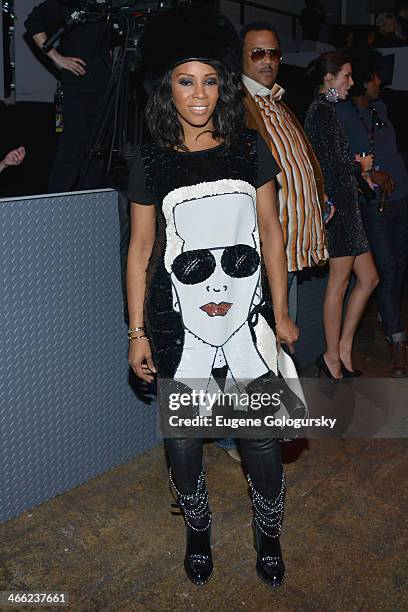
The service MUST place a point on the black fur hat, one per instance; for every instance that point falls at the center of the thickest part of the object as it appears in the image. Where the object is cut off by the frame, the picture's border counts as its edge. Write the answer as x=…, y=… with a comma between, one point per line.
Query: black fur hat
x=173, y=37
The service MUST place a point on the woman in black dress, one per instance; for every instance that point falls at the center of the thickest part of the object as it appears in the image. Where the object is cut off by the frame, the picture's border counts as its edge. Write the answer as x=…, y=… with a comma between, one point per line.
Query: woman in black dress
x=202, y=197
x=347, y=242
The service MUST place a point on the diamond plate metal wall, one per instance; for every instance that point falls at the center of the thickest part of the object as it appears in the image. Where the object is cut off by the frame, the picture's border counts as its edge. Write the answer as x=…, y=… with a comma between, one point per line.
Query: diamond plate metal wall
x=67, y=411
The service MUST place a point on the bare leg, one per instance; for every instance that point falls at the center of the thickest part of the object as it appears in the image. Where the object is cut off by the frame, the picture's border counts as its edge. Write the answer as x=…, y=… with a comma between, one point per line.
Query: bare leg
x=339, y=275
x=367, y=280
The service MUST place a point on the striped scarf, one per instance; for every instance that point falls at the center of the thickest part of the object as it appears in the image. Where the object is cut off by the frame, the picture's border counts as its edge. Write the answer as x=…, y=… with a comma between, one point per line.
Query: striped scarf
x=299, y=208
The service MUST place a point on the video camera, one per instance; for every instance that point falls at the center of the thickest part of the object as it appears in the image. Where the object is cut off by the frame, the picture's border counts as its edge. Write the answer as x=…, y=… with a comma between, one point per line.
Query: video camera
x=127, y=6
x=83, y=9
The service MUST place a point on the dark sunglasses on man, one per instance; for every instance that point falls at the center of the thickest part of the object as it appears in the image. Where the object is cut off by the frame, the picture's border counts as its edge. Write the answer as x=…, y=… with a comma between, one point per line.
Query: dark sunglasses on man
x=259, y=54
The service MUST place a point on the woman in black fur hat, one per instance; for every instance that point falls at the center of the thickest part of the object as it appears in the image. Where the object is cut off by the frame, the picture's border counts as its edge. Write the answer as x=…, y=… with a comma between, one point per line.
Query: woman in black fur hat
x=203, y=201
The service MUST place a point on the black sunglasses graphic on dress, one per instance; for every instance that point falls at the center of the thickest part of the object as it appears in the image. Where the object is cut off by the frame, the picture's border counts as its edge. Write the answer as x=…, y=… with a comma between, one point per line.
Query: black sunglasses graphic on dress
x=238, y=261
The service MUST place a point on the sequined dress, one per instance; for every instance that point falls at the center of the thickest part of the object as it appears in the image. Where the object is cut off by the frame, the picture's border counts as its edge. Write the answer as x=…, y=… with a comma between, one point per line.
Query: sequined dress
x=345, y=232
x=205, y=307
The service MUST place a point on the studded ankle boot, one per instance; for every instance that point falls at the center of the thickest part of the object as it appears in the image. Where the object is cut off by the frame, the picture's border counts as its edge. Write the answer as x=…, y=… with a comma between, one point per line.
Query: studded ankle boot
x=198, y=560
x=267, y=525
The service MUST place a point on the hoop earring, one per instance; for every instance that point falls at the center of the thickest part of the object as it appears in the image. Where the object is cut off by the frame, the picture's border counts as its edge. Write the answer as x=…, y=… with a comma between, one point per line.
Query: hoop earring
x=332, y=95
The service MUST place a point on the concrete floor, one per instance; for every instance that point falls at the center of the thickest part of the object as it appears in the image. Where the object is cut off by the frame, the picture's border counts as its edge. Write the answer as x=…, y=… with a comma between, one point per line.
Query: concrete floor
x=113, y=543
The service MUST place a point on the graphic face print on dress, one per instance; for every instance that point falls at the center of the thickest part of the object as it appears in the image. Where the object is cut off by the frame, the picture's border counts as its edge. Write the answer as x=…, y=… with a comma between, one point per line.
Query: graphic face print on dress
x=216, y=276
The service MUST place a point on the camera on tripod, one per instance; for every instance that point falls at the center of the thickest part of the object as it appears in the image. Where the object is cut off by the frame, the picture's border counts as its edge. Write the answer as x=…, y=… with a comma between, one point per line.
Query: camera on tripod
x=119, y=126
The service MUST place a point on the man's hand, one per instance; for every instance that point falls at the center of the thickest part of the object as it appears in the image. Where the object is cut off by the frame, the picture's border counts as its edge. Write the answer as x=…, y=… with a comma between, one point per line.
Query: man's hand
x=384, y=180
x=76, y=65
x=287, y=332
x=13, y=158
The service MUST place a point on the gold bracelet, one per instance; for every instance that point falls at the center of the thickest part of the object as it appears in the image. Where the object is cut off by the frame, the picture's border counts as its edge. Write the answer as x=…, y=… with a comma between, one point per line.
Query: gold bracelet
x=136, y=329
x=137, y=337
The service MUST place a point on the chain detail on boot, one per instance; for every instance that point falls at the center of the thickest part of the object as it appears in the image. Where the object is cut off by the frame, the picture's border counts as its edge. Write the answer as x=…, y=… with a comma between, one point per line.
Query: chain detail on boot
x=267, y=524
x=268, y=514
x=194, y=505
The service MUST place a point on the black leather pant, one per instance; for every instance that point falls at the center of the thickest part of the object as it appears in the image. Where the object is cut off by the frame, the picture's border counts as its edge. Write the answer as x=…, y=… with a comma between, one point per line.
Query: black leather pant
x=262, y=458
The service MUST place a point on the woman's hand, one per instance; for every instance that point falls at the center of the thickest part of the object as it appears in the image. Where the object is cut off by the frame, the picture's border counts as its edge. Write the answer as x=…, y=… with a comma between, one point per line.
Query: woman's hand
x=140, y=359
x=14, y=158
x=384, y=180
x=329, y=209
x=366, y=176
x=331, y=214
x=287, y=332
x=365, y=162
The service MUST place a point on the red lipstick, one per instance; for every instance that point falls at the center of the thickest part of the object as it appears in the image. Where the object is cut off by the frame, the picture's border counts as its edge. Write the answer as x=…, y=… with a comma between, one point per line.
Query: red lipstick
x=216, y=310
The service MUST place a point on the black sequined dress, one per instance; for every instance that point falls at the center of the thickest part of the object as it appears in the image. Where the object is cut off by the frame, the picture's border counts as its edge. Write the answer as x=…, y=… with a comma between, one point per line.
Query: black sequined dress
x=345, y=232
x=204, y=307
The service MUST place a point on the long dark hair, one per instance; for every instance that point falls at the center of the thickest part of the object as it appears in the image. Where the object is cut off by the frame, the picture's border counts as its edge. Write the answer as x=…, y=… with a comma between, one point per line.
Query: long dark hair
x=163, y=122
x=329, y=62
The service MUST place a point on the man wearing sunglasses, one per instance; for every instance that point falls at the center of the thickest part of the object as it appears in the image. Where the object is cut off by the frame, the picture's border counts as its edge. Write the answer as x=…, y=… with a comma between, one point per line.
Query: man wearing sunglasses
x=301, y=191
x=385, y=214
